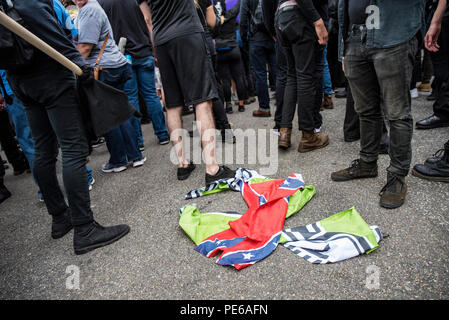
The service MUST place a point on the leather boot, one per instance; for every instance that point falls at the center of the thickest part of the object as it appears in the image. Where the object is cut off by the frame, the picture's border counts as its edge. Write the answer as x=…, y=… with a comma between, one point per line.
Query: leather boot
x=392, y=195
x=435, y=168
x=358, y=170
x=312, y=141
x=284, y=141
x=327, y=102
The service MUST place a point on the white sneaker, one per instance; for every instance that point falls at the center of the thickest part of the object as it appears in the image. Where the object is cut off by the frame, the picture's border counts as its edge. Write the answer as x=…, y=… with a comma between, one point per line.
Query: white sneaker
x=138, y=163
x=414, y=93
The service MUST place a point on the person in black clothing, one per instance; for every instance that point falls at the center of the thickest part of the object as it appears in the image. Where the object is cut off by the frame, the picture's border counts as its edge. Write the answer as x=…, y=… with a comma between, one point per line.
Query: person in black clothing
x=440, y=59
x=302, y=34
x=261, y=51
x=48, y=93
x=229, y=61
x=210, y=20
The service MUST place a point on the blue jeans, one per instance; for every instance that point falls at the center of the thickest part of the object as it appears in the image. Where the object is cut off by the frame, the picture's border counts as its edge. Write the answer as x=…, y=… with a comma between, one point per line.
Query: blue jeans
x=262, y=53
x=121, y=141
x=327, y=81
x=143, y=81
x=17, y=114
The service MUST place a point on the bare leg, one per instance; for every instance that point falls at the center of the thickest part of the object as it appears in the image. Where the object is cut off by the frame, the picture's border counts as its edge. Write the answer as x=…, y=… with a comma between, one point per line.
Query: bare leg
x=206, y=127
x=174, y=123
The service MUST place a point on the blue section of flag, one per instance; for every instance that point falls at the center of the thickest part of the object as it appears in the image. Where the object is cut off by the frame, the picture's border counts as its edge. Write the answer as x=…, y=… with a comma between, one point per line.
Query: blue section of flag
x=292, y=183
x=207, y=246
x=250, y=256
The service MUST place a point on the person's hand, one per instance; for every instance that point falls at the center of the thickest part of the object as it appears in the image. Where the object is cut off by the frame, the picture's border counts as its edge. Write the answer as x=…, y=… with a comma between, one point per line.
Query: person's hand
x=431, y=38
x=343, y=64
x=321, y=32
x=2, y=103
x=88, y=74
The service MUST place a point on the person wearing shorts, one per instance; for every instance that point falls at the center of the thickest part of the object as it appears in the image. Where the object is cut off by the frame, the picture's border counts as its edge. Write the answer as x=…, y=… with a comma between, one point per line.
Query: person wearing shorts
x=187, y=78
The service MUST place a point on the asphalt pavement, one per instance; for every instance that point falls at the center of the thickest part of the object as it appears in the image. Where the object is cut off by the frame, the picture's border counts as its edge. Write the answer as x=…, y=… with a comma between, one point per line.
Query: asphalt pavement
x=156, y=260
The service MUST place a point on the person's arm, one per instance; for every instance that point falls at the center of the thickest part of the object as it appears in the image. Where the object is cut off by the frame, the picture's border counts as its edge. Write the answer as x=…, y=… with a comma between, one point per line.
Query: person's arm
x=245, y=16
x=309, y=10
x=40, y=18
x=147, y=15
x=85, y=49
x=269, y=10
x=433, y=33
x=211, y=18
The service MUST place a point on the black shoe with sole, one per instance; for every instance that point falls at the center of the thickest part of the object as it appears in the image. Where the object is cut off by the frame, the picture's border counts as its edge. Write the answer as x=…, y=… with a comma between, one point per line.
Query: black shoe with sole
x=61, y=225
x=184, y=173
x=223, y=173
x=432, y=122
x=93, y=235
x=4, y=193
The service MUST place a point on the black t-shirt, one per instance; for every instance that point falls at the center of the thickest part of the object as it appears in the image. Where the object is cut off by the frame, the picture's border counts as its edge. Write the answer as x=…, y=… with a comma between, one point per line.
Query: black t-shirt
x=357, y=11
x=127, y=21
x=202, y=11
x=172, y=19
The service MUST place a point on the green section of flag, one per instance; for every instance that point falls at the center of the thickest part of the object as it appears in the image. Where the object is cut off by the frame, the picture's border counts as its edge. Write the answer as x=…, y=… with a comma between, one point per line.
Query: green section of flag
x=350, y=221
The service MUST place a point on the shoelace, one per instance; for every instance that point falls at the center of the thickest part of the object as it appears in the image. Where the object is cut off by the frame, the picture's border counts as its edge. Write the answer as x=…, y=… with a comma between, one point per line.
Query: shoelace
x=439, y=153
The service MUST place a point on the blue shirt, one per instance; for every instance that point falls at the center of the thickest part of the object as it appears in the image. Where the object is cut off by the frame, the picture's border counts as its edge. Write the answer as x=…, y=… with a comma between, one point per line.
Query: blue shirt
x=6, y=84
x=64, y=18
x=398, y=22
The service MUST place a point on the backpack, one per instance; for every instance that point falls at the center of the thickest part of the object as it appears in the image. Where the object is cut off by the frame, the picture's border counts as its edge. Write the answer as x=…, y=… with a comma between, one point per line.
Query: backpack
x=15, y=53
x=257, y=18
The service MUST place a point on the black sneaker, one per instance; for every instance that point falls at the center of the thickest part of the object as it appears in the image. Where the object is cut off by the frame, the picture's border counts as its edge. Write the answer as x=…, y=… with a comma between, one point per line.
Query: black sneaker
x=93, y=236
x=61, y=225
x=228, y=108
x=223, y=173
x=184, y=173
x=164, y=141
x=241, y=108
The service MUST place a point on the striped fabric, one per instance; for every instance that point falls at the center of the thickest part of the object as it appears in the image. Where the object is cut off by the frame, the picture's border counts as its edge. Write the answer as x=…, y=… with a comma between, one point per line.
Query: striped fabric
x=339, y=237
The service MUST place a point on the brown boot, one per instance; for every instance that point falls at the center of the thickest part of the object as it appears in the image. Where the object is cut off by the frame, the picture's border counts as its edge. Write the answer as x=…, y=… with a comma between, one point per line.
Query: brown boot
x=358, y=170
x=284, y=141
x=392, y=195
x=312, y=141
x=327, y=102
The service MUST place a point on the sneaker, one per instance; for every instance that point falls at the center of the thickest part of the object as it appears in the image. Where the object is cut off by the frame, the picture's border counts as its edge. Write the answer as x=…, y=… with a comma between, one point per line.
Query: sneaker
x=241, y=108
x=141, y=148
x=358, y=170
x=97, y=143
x=164, y=141
x=108, y=168
x=139, y=162
x=184, y=173
x=392, y=195
x=222, y=173
x=92, y=236
x=90, y=182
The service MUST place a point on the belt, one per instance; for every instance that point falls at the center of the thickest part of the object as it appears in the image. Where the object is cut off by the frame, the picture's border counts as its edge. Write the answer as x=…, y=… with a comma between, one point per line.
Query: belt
x=288, y=5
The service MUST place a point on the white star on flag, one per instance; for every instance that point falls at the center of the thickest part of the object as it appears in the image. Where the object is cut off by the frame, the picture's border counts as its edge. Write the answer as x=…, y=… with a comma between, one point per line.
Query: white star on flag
x=247, y=256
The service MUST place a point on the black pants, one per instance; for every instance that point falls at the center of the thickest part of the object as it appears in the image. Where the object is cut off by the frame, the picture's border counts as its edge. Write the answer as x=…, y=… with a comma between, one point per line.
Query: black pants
x=8, y=142
x=281, y=83
x=52, y=107
x=230, y=66
x=250, y=77
x=440, y=62
x=305, y=62
x=2, y=172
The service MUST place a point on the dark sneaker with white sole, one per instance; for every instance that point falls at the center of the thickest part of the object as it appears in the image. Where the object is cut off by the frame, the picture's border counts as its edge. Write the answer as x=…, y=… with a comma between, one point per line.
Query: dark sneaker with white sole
x=92, y=236
x=108, y=168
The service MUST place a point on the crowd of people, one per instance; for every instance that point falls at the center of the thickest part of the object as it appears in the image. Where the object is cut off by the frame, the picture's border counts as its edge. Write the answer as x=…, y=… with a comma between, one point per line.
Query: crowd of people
x=174, y=57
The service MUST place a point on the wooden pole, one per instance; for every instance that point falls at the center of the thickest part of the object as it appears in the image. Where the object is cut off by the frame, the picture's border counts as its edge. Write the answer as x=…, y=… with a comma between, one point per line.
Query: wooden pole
x=19, y=30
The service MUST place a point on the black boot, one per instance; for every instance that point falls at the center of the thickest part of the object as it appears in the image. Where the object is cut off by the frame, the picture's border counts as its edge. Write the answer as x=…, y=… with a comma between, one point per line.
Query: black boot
x=92, y=236
x=434, y=171
x=61, y=225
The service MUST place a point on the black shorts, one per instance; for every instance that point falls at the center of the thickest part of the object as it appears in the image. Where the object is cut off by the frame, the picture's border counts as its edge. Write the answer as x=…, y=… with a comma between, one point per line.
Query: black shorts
x=187, y=73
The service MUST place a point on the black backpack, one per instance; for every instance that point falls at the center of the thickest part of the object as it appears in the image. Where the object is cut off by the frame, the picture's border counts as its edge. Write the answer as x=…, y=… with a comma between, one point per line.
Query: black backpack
x=15, y=53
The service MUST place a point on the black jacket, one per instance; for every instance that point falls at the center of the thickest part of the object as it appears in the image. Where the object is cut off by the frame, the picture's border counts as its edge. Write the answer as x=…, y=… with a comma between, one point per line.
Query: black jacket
x=225, y=35
x=40, y=18
x=247, y=10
